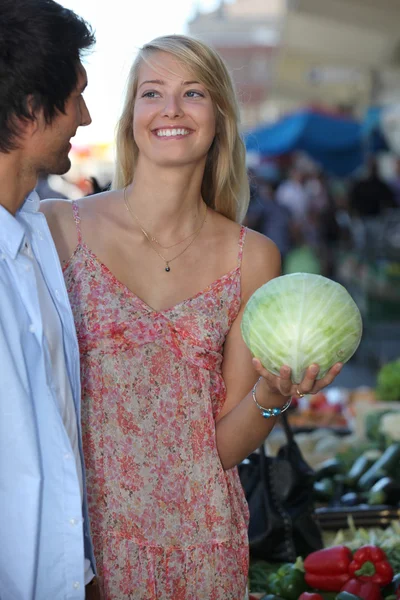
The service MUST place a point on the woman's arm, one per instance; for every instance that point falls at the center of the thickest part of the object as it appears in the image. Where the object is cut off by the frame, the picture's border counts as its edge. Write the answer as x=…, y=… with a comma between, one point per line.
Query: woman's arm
x=240, y=427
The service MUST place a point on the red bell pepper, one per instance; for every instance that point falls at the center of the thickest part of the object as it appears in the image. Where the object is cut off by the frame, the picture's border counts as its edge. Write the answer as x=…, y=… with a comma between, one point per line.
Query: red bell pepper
x=328, y=569
x=370, y=563
x=310, y=596
x=367, y=590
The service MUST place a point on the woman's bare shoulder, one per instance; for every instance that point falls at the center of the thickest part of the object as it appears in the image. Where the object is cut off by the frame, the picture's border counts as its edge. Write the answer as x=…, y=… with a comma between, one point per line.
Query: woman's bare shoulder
x=54, y=208
x=61, y=220
x=61, y=208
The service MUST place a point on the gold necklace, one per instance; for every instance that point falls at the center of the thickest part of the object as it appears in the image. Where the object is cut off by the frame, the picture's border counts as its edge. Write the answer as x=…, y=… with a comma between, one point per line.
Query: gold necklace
x=155, y=240
x=151, y=240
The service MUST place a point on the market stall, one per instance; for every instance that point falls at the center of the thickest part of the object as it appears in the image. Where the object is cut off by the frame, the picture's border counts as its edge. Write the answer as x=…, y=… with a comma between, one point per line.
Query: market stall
x=355, y=456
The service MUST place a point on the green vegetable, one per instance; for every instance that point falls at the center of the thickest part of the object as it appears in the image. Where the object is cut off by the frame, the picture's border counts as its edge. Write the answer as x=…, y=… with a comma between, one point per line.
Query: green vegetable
x=353, y=498
x=350, y=454
x=324, y=489
x=300, y=319
x=388, y=382
x=330, y=467
x=288, y=581
x=382, y=467
x=360, y=466
x=384, y=491
x=259, y=572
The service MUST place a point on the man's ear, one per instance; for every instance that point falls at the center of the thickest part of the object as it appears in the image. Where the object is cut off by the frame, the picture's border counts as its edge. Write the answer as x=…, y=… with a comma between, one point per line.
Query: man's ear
x=36, y=119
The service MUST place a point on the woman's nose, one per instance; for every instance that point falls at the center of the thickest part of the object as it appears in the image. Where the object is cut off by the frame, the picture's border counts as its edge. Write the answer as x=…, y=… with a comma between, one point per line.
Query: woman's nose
x=172, y=108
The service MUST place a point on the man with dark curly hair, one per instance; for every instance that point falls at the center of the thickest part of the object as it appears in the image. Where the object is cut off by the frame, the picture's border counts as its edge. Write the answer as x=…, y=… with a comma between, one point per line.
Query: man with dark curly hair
x=45, y=549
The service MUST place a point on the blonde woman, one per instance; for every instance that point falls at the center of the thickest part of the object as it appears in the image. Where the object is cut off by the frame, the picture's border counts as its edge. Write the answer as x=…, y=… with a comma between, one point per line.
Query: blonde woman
x=158, y=271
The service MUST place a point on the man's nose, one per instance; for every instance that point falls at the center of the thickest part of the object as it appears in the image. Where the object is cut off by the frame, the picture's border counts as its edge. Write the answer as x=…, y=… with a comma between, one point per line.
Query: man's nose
x=86, y=119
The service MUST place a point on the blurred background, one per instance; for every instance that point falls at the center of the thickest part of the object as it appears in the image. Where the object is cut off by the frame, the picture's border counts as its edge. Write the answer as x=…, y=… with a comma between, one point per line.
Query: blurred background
x=319, y=86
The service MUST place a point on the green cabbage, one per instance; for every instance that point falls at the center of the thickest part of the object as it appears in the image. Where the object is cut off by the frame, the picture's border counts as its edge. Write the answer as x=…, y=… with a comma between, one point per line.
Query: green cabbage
x=300, y=319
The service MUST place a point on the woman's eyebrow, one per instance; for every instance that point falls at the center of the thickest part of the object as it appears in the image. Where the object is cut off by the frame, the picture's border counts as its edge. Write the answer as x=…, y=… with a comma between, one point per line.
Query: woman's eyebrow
x=154, y=81
x=161, y=82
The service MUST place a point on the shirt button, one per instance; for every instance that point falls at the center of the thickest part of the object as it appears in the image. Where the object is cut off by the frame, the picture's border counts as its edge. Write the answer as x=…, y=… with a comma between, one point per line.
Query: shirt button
x=27, y=268
x=57, y=294
x=73, y=521
x=39, y=234
x=32, y=328
x=67, y=455
x=76, y=585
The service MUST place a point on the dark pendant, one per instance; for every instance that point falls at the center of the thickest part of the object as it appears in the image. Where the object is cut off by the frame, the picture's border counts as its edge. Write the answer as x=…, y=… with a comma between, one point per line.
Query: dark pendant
x=167, y=268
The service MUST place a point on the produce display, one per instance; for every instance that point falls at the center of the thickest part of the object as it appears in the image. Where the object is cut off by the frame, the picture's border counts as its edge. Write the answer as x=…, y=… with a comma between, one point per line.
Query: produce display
x=356, y=486
x=300, y=319
x=388, y=539
x=372, y=479
x=333, y=573
x=352, y=442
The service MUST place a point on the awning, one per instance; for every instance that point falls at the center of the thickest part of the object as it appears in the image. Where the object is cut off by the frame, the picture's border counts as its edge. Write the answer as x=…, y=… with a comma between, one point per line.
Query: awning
x=334, y=142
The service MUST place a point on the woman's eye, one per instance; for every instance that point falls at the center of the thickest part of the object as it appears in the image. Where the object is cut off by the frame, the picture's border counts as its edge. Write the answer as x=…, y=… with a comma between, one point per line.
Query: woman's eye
x=150, y=94
x=194, y=94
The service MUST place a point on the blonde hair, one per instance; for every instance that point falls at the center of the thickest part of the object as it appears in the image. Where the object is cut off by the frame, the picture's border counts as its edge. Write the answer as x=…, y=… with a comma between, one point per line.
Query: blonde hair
x=225, y=186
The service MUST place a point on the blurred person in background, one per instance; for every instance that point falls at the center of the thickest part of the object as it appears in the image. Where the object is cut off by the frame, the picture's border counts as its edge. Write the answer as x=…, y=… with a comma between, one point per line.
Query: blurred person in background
x=291, y=193
x=265, y=215
x=395, y=183
x=45, y=548
x=316, y=188
x=371, y=195
x=321, y=230
x=331, y=234
x=159, y=271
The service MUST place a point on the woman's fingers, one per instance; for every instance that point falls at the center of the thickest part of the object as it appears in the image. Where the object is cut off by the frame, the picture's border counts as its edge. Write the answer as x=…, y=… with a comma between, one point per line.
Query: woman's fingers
x=309, y=384
x=281, y=383
x=285, y=383
x=328, y=378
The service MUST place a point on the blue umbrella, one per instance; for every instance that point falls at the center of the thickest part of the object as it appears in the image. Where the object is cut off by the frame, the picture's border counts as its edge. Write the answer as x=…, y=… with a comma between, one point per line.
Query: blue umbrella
x=334, y=142
x=371, y=130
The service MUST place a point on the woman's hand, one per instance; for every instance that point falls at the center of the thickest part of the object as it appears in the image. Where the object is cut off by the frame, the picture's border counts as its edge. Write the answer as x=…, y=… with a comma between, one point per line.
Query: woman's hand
x=282, y=384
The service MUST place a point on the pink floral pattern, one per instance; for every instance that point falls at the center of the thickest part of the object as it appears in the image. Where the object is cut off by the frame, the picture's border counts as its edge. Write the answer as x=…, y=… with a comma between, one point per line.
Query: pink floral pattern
x=168, y=522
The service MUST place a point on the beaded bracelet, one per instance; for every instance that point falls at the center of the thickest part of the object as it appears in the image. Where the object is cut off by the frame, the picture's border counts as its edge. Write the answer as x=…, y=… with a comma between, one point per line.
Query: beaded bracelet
x=269, y=412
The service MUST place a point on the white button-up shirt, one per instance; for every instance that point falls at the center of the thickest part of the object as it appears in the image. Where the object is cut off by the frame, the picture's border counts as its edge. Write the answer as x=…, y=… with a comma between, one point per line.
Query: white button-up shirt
x=43, y=543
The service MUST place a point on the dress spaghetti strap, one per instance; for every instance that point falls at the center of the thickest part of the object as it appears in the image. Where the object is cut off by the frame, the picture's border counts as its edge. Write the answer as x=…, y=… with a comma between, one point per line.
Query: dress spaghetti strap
x=242, y=237
x=77, y=219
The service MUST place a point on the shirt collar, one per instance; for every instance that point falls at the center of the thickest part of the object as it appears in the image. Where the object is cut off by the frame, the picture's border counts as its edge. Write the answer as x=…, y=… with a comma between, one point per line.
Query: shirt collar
x=12, y=233
x=32, y=203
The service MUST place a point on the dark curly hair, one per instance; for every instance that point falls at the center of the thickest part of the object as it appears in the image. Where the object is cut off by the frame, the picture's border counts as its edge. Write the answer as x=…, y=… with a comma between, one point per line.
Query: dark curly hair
x=41, y=45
